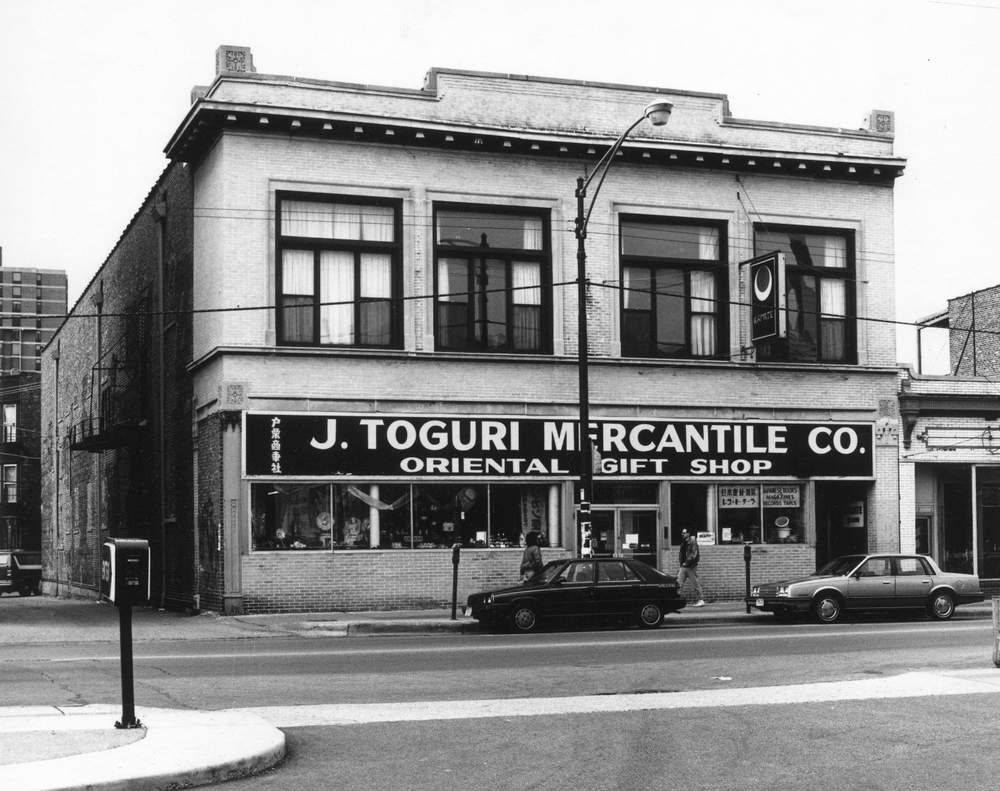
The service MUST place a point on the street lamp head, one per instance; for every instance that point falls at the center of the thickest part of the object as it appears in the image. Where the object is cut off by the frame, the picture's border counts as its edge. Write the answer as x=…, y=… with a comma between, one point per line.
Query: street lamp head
x=658, y=113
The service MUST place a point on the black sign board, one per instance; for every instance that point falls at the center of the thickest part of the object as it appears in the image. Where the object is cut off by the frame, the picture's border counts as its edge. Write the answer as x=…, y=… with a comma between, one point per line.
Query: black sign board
x=376, y=446
x=767, y=297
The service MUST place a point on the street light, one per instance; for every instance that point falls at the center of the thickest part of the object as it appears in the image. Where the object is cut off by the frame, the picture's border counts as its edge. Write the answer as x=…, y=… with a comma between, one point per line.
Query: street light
x=658, y=114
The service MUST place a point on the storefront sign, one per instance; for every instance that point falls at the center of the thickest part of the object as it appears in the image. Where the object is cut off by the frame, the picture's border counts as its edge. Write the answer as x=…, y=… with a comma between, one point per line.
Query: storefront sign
x=767, y=297
x=738, y=496
x=781, y=496
x=314, y=445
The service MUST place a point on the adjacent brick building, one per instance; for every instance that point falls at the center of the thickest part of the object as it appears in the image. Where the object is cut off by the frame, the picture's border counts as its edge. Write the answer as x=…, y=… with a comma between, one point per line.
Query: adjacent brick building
x=950, y=445
x=345, y=323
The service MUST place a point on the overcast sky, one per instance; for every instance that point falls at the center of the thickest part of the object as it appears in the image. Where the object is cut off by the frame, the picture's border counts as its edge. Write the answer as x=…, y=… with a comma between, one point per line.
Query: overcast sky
x=91, y=92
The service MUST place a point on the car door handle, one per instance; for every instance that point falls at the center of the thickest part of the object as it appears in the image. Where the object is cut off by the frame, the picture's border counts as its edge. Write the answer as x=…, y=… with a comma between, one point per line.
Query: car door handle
x=887, y=582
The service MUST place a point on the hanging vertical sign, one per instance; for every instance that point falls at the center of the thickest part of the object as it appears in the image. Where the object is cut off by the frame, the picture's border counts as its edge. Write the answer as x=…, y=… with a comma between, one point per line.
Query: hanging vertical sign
x=767, y=297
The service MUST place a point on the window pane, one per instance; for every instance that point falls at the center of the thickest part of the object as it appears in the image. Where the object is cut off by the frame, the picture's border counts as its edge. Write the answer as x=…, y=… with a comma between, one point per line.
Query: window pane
x=297, y=319
x=490, y=309
x=803, y=248
x=484, y=229
x=453, y=304
x=833, y=297
x=526, y=277
x=336, y=277
x=803, y=322
x=637, y=285
x=699, y=242
x=290, y=516
x=670, y=315
x=376, y=307
x=834, y=343
x=307, y=218
x=297, y=272
x=377, y=223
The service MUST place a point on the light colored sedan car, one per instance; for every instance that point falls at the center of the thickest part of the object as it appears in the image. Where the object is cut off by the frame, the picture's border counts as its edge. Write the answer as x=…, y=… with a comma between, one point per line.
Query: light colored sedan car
x=870, y=582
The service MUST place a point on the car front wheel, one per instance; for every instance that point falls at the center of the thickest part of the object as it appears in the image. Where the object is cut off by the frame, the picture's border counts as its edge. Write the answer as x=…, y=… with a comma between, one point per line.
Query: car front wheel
x=827, y=608
x=650, y=616
x=941, y=606
x=524, y=618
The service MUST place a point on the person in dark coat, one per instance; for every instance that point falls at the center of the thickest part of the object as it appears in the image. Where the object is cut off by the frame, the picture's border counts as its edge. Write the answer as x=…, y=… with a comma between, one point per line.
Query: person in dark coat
x=688, y=560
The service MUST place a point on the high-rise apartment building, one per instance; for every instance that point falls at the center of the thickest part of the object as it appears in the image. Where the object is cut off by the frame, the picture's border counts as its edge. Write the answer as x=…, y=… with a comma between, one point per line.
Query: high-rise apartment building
x=32, y=306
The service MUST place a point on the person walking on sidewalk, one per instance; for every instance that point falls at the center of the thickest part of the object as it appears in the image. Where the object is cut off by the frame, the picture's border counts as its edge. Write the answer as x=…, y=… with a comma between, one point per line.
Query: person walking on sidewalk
x=531, y=560
x=688, y=560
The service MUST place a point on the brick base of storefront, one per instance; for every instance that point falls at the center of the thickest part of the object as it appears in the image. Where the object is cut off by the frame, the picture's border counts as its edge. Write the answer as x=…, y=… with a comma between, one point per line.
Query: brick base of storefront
x=722, y=569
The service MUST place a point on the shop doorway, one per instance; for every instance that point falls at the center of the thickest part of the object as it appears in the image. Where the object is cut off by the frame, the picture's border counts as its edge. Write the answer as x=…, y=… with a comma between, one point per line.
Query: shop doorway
x=626, y=532
x=988, y=521
x=841, y=520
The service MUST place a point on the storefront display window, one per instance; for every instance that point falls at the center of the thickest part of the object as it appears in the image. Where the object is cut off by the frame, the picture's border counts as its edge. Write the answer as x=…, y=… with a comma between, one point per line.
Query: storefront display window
x=770, y=513
x=761, y=513
x=400, y=516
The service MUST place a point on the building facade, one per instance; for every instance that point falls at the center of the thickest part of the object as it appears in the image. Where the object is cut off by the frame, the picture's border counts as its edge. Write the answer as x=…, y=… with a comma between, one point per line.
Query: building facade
x=365, y=343
x=32, y=305
x=950, y=445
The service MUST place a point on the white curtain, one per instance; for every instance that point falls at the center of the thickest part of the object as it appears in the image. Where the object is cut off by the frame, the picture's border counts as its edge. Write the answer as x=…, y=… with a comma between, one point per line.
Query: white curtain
x=297, y=272
x=835, y=251
x=708, y=244
x=533, y=233
x=376, y=276
x=336, y=272
x=833, y=298
x=346, y=221
x=703, y=310
x=526, y=279
x=306, y=218
x=377, y=223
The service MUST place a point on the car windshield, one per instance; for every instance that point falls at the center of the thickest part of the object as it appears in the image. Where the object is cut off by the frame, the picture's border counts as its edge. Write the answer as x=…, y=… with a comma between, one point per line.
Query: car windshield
x=548, y=572
x=838, y=567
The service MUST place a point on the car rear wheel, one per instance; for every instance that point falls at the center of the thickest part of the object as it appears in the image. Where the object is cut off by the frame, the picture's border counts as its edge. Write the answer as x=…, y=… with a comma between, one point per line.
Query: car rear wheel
x=941, y=606
x=827, y=608
x=524, y=618
x=650, y=615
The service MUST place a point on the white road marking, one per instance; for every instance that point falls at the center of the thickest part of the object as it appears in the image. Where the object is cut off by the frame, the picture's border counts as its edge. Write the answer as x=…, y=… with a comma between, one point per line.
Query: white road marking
x=906, y=685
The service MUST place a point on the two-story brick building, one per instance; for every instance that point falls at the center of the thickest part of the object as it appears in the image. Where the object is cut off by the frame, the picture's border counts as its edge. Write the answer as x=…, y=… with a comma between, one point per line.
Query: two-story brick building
x=359, y=312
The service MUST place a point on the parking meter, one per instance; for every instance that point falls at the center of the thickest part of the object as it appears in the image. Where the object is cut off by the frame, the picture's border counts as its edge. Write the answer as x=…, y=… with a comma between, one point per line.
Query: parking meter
x=125, y=582
x=747, y=552
x=125, y=571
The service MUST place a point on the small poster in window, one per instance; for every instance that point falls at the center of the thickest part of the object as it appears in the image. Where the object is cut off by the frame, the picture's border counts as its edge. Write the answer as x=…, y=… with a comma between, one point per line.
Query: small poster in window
x=739, y=496
x=781, y=496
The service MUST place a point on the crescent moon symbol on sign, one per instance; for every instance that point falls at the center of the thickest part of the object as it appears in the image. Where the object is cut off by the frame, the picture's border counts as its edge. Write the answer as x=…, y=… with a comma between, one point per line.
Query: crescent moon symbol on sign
x=762, y=287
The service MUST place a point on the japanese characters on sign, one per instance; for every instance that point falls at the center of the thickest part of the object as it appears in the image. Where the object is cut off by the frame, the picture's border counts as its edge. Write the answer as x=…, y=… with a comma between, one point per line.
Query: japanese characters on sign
x=394, y=446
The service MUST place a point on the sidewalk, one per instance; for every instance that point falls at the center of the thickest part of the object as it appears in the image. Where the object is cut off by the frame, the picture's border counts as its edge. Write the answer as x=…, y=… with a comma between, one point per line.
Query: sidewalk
x=47, y=747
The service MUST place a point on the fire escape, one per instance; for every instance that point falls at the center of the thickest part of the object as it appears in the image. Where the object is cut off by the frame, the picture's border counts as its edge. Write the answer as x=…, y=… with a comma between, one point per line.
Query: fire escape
x=116, y=398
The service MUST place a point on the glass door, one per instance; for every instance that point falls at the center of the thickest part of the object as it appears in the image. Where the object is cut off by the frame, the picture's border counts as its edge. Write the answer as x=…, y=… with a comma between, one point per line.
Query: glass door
x=625, y=532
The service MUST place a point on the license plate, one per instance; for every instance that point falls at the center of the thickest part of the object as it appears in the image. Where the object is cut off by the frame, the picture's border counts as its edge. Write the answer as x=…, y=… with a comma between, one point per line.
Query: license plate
x=760, y=602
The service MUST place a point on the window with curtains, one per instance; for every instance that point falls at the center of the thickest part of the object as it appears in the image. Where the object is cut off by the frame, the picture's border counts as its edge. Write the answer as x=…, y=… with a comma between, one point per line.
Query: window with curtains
x=9, y=488
x=819, y=293
x=338, y=271
x=673, y=288
x=493, y=280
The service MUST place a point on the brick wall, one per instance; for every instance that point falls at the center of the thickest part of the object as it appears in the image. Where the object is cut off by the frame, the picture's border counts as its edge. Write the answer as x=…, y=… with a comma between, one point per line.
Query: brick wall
x=325, y=581
x=722, y=570
x=974, y=337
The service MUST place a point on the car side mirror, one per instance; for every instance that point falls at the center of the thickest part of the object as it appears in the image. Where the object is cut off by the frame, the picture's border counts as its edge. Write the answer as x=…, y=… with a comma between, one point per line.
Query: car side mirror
x=559, y=580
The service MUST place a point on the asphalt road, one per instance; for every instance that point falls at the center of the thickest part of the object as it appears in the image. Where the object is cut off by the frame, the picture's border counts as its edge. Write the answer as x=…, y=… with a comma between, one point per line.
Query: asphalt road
x=276, y=671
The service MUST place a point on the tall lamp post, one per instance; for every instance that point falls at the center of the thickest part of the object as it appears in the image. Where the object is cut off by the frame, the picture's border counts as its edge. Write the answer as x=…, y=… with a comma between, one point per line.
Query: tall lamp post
x=658, y=114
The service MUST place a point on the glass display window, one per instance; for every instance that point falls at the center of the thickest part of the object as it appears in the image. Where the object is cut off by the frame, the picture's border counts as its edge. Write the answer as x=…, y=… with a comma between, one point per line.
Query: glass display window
x=304, y=516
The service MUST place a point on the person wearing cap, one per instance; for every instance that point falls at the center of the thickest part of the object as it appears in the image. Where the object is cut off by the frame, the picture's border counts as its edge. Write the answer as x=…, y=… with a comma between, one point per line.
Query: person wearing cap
x=688, y=560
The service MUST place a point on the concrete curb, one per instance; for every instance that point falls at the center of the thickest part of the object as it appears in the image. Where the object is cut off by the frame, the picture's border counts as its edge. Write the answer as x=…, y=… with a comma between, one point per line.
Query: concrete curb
x=180, y=749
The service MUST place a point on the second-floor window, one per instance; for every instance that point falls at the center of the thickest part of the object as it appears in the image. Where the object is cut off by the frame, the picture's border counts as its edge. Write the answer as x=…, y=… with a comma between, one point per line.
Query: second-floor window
x=10, y=422
x=338, y=271
x=673, y=288
x=493, y=284
x=819, y=293
x=8, y=486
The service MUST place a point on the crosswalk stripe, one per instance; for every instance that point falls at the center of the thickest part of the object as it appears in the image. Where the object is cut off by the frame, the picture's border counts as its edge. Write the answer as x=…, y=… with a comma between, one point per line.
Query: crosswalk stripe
x=906, y=685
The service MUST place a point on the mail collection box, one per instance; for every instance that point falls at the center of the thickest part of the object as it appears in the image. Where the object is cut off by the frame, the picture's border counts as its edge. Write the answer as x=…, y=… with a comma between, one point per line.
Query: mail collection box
x=125, y=571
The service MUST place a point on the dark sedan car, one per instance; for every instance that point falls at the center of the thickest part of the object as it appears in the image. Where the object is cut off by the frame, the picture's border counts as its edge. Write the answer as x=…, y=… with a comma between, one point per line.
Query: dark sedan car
x=870, y=582
x=581, y=590
x=20, y=571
